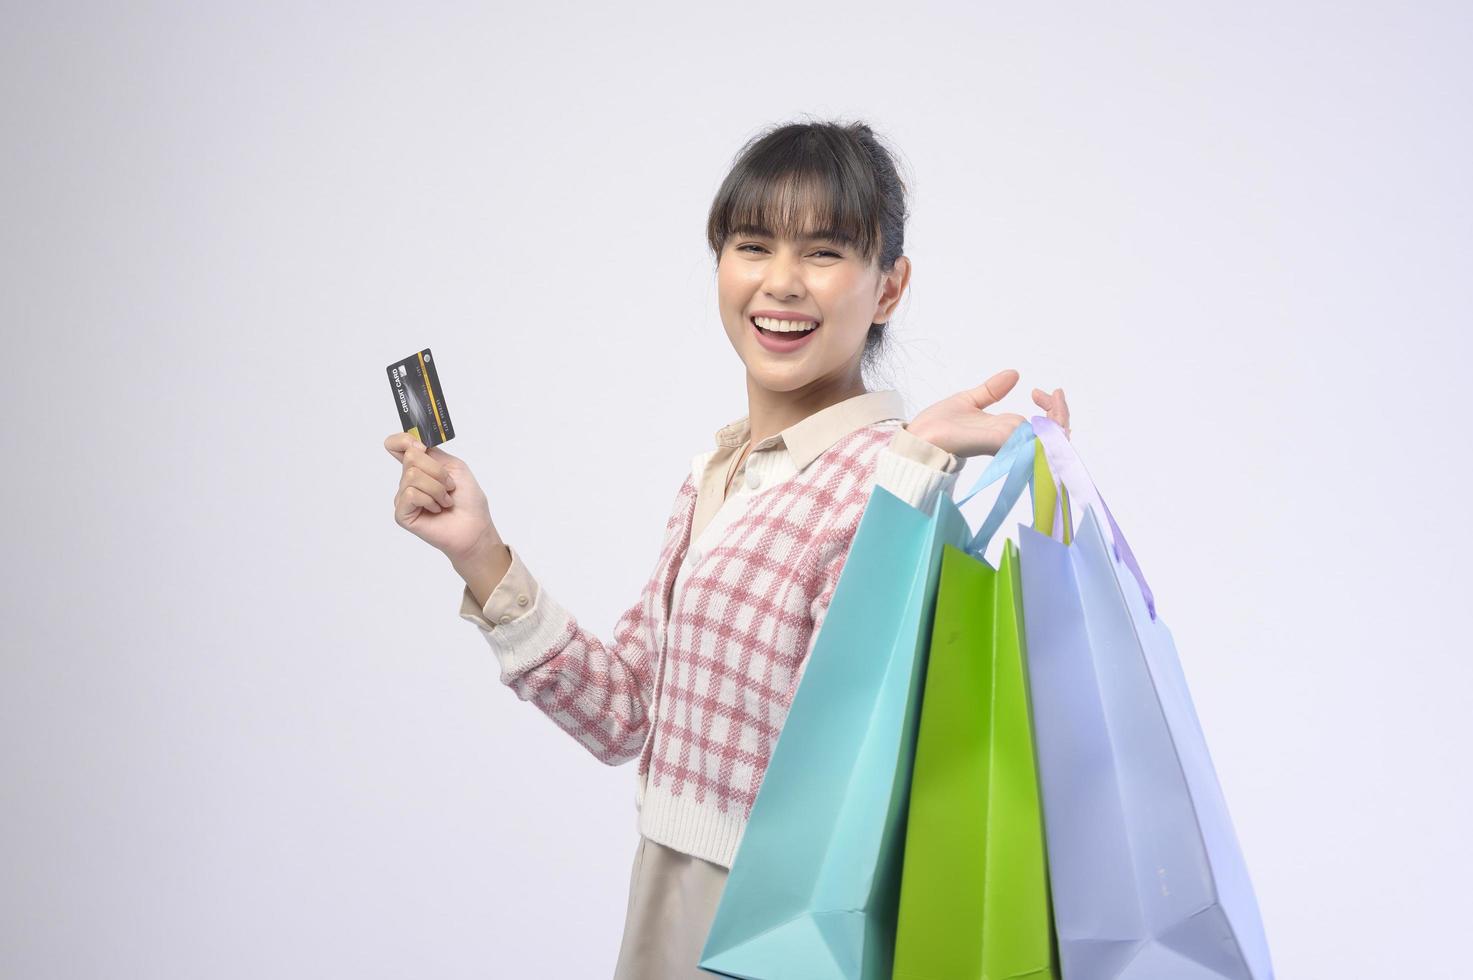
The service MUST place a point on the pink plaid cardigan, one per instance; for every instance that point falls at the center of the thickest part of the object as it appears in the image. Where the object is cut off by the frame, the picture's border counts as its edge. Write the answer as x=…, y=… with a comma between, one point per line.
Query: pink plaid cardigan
x=716, y=666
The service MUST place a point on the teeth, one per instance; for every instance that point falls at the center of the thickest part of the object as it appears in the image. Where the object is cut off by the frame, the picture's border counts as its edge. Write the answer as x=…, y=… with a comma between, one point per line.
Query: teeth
x=785, y=326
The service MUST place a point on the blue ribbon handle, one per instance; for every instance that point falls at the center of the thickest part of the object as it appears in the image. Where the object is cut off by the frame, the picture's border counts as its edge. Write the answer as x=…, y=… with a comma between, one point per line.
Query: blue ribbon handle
x=1015, y=461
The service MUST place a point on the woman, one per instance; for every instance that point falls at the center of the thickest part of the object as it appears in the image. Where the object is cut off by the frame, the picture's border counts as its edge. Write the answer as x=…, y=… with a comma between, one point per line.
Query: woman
x=807, y=231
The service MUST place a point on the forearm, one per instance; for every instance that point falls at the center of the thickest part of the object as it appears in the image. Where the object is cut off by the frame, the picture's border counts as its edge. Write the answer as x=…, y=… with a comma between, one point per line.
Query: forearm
x=595, y=691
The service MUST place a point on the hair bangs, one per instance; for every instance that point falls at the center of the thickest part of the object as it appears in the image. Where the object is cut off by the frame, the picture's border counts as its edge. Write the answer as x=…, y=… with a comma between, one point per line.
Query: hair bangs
x=799, y=190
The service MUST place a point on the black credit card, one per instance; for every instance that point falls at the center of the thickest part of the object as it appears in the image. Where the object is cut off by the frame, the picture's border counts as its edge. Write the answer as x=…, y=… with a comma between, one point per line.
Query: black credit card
x=421, y=400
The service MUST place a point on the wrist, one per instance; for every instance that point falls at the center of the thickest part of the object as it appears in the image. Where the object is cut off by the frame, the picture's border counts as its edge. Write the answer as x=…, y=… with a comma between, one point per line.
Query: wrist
x=921, y=432
x=483, y=565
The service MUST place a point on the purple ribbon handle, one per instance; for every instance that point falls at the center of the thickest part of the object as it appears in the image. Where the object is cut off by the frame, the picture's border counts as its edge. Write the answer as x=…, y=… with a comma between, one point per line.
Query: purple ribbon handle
x=1069, y=470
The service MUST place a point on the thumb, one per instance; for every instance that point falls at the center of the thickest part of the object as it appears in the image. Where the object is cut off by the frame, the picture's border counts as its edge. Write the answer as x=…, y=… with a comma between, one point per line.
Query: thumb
x=989, y=391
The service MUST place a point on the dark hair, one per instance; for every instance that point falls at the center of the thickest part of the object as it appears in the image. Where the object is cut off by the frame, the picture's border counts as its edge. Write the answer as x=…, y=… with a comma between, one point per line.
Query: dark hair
x=839, y=176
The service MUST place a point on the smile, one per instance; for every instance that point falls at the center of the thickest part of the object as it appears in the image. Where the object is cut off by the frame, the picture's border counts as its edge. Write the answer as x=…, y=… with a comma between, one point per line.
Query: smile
x=774, y=325
x=782, y=336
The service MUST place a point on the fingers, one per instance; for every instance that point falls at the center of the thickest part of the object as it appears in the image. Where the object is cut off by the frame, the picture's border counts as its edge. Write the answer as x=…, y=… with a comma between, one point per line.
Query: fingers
x=418, y=490
x=425, y=483
x=437, y=467
x=411, y=499
x=422, y=481
x=437, y=455
x=993, y=388
x=428, y=474
x=399, y=443
x=1054, y=406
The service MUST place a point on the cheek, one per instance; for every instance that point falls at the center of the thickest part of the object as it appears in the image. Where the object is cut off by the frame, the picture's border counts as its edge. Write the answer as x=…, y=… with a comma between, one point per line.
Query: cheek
x=729, y=288
x=846, y=297
x=734, y=273
x=733, y=295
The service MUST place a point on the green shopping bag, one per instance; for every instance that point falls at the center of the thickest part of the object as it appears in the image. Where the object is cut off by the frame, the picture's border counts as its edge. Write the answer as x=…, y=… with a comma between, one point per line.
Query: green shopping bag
x=974, y=893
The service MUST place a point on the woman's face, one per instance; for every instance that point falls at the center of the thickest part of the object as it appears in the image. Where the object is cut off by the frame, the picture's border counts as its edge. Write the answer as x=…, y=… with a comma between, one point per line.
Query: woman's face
x=817, y=279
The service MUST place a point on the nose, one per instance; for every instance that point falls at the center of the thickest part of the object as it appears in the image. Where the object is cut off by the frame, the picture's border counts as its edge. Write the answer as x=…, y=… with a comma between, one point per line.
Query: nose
x=783, y=279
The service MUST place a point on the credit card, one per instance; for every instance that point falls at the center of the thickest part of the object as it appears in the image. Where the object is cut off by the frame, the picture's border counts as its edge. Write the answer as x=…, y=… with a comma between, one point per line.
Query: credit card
x=421, y=400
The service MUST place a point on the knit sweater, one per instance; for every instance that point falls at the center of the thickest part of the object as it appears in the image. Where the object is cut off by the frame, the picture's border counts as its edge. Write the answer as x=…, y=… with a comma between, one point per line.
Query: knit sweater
x=696, y=682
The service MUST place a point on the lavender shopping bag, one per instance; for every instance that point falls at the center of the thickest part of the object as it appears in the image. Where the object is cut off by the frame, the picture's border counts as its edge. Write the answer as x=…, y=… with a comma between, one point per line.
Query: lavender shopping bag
x=1148, y=879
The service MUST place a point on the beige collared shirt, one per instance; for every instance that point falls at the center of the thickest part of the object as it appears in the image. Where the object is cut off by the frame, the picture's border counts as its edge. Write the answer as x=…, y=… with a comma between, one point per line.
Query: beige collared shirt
x=768, y=462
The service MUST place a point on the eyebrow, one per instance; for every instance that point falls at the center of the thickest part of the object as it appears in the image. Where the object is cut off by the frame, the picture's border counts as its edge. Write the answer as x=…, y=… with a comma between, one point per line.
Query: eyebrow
x=817, y=234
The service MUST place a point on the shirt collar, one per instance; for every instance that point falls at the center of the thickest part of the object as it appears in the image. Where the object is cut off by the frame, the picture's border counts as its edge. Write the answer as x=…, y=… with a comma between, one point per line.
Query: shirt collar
x=809, y=438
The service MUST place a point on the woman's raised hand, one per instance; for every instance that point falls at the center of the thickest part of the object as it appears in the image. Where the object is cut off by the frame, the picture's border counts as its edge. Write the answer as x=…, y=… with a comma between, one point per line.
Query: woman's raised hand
x=961, y=424
x=439, y=500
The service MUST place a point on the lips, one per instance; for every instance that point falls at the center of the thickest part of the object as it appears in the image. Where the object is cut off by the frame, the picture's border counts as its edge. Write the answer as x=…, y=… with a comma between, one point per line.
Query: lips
x=781, y=342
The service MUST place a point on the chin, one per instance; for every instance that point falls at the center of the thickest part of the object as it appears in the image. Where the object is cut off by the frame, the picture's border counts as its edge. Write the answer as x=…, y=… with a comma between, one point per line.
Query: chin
x=779, y=378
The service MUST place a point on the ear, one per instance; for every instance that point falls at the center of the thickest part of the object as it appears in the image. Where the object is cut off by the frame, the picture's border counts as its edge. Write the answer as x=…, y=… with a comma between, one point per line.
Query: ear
x=892, y=287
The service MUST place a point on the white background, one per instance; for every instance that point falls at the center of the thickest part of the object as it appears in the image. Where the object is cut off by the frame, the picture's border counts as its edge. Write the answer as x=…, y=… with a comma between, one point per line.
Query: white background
x=243, y=732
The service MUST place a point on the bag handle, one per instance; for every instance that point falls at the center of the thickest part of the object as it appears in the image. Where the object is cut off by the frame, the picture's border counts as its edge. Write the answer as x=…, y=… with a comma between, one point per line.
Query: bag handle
x=1051, y=514
x=1069, y=470
x=1017, y=460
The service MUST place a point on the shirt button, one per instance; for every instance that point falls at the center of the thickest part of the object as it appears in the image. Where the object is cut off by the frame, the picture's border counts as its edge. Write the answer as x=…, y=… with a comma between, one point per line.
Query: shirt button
x=505, y=618
x=521, y=600
x=753, y=479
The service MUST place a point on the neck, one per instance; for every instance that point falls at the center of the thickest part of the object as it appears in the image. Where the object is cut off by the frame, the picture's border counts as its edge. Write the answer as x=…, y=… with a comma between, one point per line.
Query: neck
x=772, y=411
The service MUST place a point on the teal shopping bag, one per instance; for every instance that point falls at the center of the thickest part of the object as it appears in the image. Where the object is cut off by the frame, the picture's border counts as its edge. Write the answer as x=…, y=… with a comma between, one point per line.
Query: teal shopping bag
x=813, y=888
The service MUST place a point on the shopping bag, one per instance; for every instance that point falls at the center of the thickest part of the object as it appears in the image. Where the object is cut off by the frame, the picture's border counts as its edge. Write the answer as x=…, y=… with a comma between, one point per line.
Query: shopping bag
x=813, y=887
x=1148, y=879
x=974, y=899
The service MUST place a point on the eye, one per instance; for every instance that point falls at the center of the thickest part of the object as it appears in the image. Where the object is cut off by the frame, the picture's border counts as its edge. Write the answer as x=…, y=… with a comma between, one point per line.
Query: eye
x=754, y=247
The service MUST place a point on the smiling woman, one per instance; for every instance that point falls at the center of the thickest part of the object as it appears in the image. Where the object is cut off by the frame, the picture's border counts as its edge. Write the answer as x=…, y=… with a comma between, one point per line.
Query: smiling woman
x=809, y=226
x=807, y=231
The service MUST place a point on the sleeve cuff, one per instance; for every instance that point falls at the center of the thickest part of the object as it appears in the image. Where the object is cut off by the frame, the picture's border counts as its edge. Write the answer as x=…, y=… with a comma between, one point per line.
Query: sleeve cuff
x=911, y=446
x=513, y=598
x=520, y=640
x=915, y=483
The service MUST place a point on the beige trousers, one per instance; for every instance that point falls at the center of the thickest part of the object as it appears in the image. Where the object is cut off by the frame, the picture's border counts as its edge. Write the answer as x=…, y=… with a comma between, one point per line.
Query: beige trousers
x=672, y=901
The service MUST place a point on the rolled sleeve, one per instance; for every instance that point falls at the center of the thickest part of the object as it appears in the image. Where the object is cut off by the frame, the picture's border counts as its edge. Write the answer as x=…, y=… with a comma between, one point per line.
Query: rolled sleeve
x=512, y=599
x=913, y=447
